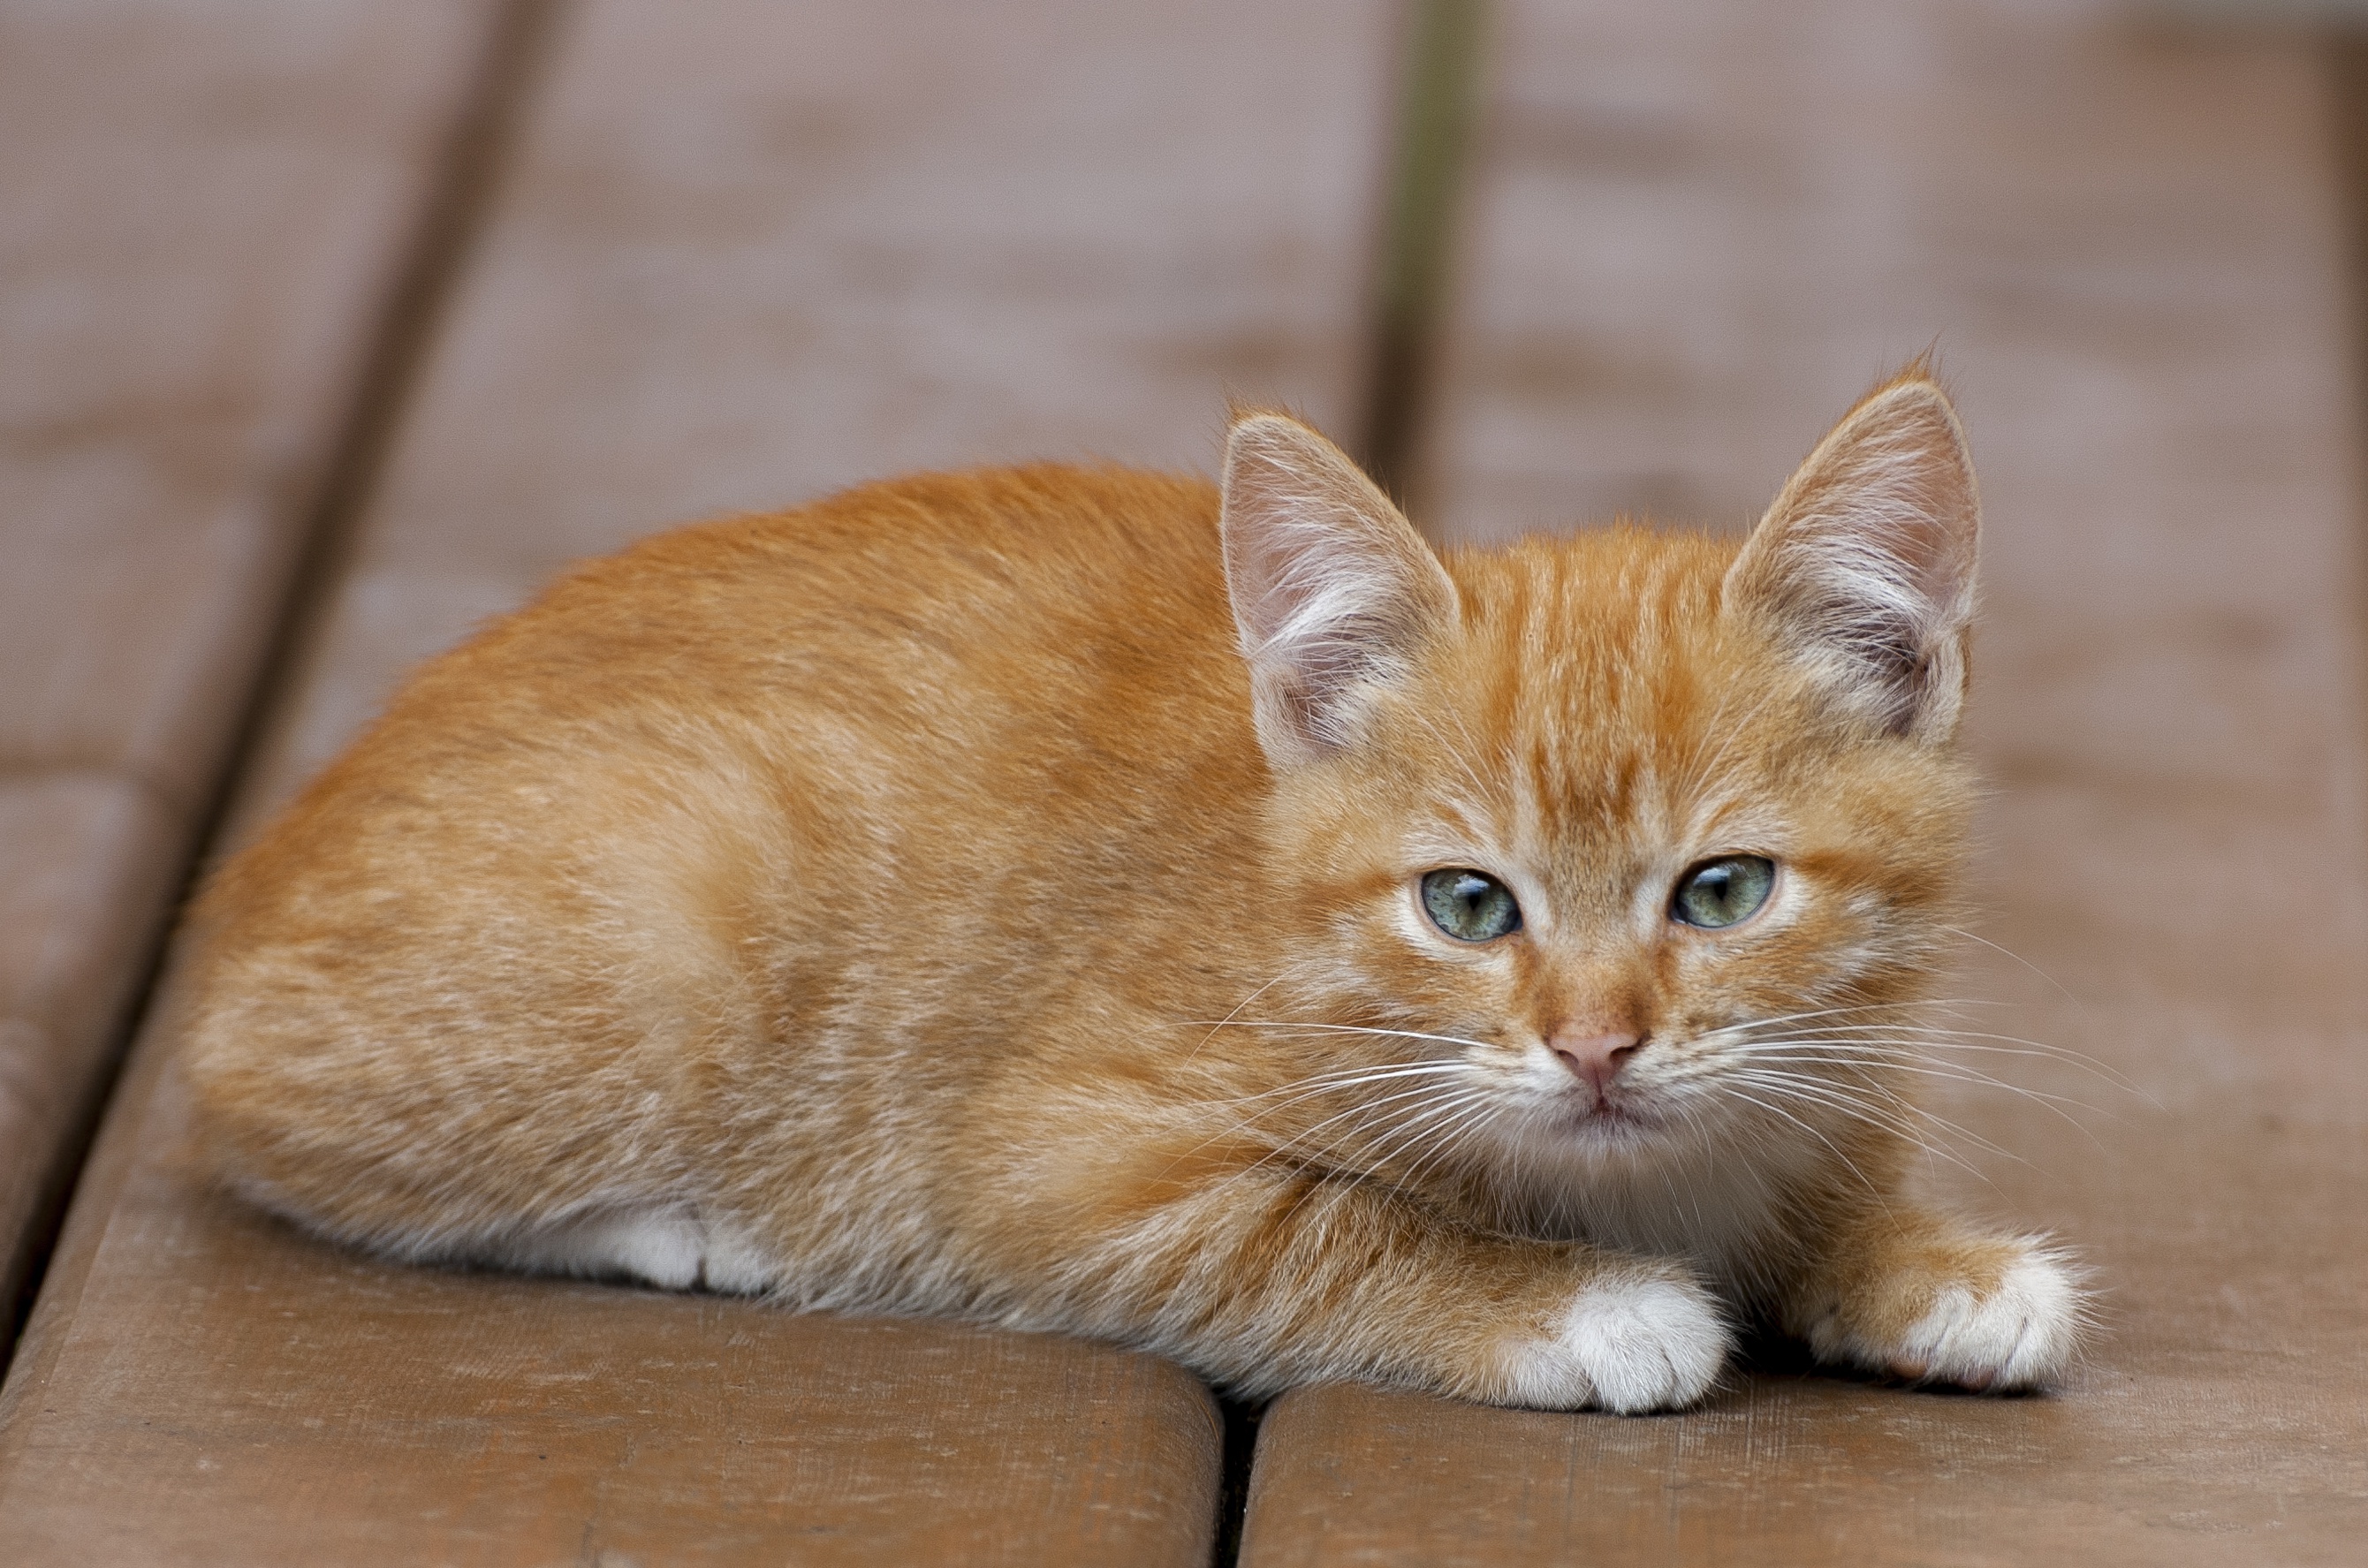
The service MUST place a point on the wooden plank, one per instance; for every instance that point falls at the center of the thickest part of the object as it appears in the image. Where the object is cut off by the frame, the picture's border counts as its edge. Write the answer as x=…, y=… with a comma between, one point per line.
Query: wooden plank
x=200, y=219
x=745, y=253
x=1696, y=236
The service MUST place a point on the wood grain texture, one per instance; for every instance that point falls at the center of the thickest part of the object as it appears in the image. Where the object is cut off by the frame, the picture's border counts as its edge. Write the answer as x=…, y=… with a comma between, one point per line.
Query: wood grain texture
x=1697, y=235
x=744, y=254
x=199, y=216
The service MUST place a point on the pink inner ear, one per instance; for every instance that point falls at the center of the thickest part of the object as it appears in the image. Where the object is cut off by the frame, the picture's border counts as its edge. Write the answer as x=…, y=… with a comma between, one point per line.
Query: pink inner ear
x=1332, y=589
x=1866, y=560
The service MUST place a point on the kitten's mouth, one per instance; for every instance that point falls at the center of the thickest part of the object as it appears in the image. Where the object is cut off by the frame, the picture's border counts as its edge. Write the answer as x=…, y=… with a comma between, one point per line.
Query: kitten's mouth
x=1609, y=1116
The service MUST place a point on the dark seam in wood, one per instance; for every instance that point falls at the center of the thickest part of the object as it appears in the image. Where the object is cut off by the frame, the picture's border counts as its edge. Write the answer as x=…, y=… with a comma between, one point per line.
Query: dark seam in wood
x=518, y=39
x=1437, y=87
x=1238, y=1454
x=2347, y=52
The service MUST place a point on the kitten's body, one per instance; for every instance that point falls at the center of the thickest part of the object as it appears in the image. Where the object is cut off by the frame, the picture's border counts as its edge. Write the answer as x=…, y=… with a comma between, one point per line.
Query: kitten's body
x=920, y=902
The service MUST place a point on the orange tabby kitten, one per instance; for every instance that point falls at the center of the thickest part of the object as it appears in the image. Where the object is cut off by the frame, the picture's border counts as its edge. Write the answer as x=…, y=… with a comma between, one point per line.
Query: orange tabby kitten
x=1077, y=899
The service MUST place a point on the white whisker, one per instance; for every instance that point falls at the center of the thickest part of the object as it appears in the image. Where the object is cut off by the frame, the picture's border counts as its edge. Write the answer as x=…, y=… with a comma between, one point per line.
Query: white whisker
x=1345, y=1029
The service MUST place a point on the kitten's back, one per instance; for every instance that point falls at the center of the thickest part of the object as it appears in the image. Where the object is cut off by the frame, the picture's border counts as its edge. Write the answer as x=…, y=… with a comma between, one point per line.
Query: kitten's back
x=793, y=786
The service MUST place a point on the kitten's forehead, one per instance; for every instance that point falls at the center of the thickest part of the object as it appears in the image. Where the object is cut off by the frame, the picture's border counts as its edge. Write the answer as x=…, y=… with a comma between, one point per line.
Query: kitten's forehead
x=1610, y=699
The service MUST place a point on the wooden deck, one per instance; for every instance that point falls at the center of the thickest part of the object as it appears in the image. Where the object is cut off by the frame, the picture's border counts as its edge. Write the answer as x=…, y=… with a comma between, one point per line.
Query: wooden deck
x=327, y=329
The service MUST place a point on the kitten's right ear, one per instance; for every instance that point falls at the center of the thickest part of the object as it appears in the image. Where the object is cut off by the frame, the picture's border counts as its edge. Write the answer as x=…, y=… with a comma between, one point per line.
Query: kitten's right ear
x=1333, y=590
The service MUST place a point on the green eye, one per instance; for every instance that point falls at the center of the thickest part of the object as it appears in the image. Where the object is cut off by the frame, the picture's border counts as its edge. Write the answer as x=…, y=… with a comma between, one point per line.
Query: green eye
x=1723, y=891
x=1470, y=907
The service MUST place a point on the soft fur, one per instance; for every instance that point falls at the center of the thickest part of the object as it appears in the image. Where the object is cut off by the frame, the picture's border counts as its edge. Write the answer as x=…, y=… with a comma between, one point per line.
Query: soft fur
x=996, y=895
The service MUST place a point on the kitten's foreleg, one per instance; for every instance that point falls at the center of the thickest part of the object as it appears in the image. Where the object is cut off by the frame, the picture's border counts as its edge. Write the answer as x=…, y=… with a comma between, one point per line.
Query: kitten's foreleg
x=1318, y=1279
x=1901, y=1290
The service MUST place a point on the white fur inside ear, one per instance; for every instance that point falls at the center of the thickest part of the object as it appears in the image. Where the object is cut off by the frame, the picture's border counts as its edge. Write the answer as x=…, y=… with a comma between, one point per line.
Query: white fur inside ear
x=1332, y=589
x=1626, y=1345
x=1866, y=561
x=2020, y=1335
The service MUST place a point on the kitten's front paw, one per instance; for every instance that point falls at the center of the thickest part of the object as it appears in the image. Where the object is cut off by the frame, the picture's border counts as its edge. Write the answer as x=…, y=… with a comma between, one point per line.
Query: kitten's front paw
x=2015, y=1324
x=1629, y=1343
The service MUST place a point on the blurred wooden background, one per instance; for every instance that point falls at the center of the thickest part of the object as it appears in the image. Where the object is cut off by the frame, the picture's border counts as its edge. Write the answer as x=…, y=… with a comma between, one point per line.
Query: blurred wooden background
x=329, y=328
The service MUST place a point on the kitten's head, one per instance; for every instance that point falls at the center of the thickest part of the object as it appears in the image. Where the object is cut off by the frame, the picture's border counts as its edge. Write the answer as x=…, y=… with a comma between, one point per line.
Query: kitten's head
x=1628, y=840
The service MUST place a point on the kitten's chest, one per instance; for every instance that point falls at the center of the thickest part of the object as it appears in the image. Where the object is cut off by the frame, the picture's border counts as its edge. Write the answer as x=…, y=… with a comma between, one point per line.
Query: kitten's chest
x=1727, y=1217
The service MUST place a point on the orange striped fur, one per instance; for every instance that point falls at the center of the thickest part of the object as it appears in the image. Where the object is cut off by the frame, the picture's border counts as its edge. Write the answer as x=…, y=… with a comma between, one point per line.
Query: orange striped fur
x=1002, y=895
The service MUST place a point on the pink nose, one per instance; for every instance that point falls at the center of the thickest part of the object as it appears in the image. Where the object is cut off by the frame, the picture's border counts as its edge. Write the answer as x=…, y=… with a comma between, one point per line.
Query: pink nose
x=1594, y=1059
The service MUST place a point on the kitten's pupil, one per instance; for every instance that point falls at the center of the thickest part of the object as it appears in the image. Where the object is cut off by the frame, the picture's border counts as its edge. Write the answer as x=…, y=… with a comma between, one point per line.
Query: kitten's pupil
x=1724, y=892
x=1470, y=907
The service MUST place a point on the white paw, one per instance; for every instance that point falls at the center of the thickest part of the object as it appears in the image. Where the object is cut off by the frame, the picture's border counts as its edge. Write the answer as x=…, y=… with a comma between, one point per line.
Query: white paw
x=1626, y=1345
x=671, y=1247
x=2020, y=1335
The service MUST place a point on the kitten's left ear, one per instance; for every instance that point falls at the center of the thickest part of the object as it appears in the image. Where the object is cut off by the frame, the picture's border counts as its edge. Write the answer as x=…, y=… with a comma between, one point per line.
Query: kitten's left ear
x=1333, y=590
x=1864, y=567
